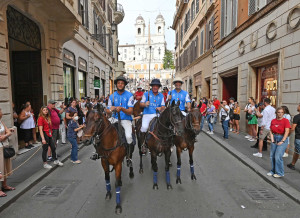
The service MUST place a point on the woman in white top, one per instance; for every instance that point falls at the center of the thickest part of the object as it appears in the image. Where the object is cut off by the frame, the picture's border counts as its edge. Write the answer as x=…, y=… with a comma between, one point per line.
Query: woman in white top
x=287, y=116
x=27, y=124
x=5, y=163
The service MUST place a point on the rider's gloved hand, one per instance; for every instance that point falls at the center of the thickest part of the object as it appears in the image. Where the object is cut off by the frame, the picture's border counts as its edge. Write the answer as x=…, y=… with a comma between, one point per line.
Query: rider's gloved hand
x=147, y=103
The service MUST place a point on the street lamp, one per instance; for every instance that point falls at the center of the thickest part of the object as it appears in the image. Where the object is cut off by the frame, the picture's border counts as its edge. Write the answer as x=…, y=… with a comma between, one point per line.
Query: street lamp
x=113, y=30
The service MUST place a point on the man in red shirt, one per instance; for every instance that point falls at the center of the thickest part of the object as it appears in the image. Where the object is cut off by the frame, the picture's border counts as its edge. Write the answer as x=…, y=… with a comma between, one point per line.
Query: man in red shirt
x=216, y=104
x=203, y=109
x=165, y=93
x=55, y=121
x=139, y=94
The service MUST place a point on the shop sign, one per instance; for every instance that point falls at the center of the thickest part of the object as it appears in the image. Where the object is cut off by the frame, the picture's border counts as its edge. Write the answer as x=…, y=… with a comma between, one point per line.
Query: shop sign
x=97, y=83
x=82, y=64
x=69, y=57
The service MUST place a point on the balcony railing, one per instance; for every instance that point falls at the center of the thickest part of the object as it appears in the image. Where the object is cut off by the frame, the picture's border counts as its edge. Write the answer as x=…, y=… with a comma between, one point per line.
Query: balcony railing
x=120, y=8
x=119, y=13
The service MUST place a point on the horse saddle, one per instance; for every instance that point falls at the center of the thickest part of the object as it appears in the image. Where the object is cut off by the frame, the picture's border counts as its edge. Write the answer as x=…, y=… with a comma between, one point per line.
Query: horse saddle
x=151, y=127
x=121, y=133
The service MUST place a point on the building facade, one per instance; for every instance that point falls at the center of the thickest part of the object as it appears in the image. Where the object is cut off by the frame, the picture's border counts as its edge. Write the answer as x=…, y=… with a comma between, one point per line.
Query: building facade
x=137, y=56
x=196, y=31
x=56, y=49
x=255, y=52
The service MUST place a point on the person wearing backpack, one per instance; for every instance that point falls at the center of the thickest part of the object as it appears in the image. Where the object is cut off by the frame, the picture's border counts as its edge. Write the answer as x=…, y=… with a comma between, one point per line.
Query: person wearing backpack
x=55, y=116
x=287, y=115
x=231, y=113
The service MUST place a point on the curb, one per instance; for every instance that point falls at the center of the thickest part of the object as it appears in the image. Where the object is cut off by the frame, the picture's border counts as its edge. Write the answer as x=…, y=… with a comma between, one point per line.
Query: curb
x=277, y=183
x=30, y=182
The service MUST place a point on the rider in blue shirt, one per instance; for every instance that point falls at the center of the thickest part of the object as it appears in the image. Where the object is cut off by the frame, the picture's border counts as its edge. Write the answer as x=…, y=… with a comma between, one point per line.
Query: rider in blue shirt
x=122, y=101
x=180, y=95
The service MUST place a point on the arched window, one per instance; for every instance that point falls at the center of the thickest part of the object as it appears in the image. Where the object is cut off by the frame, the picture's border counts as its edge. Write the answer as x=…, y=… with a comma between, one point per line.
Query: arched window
x=139, y=31
x=159, y=29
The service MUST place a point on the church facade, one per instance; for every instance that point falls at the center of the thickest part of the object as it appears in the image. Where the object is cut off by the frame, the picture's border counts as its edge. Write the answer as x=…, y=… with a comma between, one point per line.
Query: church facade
x=138, y=56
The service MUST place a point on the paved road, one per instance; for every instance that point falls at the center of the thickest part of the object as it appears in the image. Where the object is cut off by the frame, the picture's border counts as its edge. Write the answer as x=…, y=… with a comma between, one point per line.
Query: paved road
x=220, y=190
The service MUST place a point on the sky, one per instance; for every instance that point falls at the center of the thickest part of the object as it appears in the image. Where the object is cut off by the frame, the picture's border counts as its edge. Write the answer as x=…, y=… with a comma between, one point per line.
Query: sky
x=148, y=9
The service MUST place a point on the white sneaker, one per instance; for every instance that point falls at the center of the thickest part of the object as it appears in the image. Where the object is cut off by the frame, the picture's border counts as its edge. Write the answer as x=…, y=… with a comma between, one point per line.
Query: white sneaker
x=269, y=174
x=276, y=176
x=248, y=136
x=285, y=155
x=231, y=130
x=252, y=140
x=47, y=166
x=210, y=133
x=257, y=154
x=57, y=162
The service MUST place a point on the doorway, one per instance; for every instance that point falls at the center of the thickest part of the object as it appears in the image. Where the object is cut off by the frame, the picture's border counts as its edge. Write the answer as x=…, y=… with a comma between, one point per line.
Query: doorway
x=229, y=87
x=25, y=60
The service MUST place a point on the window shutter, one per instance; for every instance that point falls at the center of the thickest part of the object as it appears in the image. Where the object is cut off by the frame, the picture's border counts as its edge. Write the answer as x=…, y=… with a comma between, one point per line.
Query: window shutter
x=206, y=36
x=95, y=22
x=86, y=14
x=196, y=47
x=79, y=11
x=234, y=14
x=201, y=43
x=252, y=6
x=223, y=8
x=212, y=21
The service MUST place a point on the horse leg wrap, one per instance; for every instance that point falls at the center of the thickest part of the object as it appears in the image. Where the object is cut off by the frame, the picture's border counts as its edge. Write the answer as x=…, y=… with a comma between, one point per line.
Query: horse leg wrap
x=168, y=177
x=108, y=187
x=178, y=170
x=155, y=177
x=192, y=169
x=118, y=195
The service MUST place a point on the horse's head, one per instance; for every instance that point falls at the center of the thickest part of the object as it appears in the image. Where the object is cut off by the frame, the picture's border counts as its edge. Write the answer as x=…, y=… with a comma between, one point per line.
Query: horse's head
x=176, y=118
x=93, y=120
x=195, y=119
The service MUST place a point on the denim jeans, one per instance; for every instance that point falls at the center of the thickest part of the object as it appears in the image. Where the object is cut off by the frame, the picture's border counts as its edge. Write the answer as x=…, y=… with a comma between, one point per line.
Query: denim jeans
x=225, y=128
x=276, y=154
x=74, y=152
x=202, y=122
x=210, y=125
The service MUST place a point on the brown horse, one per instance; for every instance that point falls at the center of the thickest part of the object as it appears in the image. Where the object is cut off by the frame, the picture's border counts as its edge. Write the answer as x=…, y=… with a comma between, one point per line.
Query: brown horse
x=137, y=109
x=160, y=140
x=109, y=148
x=191, y=124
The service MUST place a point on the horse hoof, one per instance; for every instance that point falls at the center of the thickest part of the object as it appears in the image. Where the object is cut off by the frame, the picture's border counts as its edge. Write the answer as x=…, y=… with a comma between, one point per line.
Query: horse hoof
x=141, y=171
x=155, y=187
x=118, y=209
x=108, y=196
x=178, y=181
x=193, y=177
x=131, y=175
x=169, y=186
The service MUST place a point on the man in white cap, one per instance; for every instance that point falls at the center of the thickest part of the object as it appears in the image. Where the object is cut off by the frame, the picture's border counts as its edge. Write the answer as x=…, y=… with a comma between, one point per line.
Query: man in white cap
x=180, y=95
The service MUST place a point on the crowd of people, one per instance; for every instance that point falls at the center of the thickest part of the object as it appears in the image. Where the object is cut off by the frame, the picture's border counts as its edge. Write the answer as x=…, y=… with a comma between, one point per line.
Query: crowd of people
x=264, y=123
x=66, y=120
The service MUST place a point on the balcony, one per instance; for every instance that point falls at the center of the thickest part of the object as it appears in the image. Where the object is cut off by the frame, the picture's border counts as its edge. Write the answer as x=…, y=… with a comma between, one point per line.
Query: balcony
x=119, y=14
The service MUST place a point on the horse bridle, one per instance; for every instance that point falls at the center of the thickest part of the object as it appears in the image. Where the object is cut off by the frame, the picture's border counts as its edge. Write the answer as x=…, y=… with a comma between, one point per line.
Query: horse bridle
x=189, y=124
x=173, y=123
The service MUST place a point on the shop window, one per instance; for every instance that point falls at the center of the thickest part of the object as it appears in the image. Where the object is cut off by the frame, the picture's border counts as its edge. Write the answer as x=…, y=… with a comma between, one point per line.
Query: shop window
x=82, y=84
x=68, y=81
x=268, y=83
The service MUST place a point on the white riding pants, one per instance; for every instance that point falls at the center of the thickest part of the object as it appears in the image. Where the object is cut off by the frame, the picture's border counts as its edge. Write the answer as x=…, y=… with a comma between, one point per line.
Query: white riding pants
x=183, y=113
x=146, y=120
x=127, y=125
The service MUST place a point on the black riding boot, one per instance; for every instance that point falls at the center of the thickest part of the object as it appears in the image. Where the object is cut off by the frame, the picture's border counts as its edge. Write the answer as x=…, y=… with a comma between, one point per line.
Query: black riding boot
x=129, y=151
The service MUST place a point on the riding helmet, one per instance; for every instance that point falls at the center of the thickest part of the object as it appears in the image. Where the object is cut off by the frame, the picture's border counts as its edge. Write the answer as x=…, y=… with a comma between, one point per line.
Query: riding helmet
x=155, y=82
x=122, y=78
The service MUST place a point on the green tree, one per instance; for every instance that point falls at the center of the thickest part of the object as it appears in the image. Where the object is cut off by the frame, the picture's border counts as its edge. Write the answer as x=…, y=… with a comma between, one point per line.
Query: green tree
x=168, y=60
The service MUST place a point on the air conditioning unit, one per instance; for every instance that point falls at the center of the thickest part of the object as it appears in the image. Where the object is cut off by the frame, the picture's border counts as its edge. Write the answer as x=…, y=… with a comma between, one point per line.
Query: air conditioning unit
x=186, y=1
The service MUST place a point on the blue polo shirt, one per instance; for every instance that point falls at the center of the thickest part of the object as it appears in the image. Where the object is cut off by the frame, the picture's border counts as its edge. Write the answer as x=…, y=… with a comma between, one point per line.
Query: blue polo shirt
x=182, y=96
x=155, y=102
x=124, y=100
